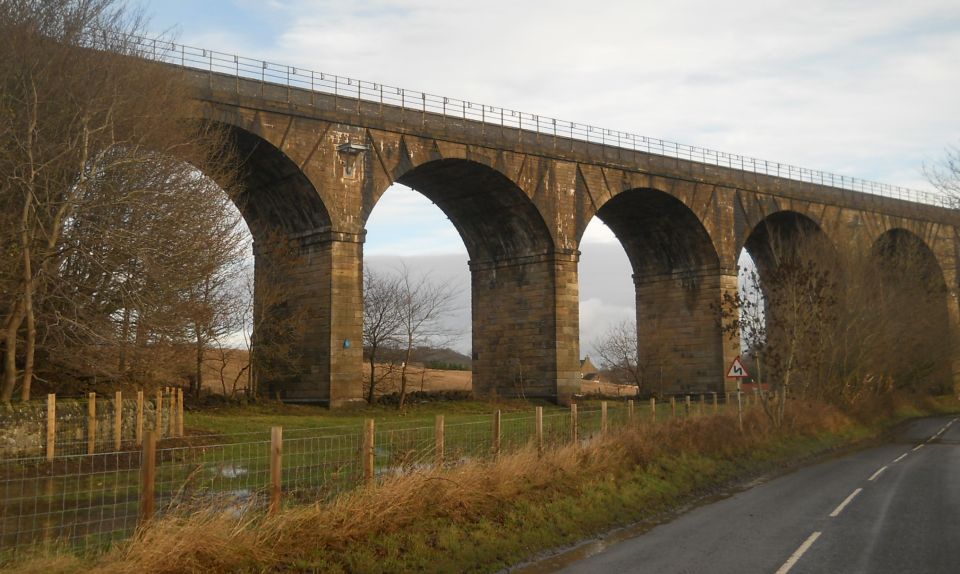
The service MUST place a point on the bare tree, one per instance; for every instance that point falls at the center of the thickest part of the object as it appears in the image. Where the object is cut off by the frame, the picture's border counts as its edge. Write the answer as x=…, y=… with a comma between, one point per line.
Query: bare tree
x=781, y=318
x=274, y=328
x=421, y=306
x=945, y=174
x=87, y=129
x=617, y=351
x=381, y=319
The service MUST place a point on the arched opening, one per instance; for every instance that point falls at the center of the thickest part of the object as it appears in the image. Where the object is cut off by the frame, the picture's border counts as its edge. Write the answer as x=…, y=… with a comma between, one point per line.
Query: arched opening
x=408, y=238
x=291, y=354
x=910, y=305
x=788, y=276
x=677, y=284
x=514, y=276
x=608, y=314
x=274, y=194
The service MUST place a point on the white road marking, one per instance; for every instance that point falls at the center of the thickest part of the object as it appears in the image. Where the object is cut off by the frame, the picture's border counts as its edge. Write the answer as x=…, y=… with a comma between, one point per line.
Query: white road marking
x=798, y=553
x=918, y=447
x=836, y=511
x=901, y=457
x=876, y=474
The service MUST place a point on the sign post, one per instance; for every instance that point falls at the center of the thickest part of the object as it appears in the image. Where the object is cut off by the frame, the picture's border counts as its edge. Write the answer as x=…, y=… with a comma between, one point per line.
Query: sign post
x=739, y=372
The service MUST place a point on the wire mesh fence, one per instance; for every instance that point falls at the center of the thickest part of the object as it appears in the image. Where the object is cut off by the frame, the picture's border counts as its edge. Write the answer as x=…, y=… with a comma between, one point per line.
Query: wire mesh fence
x=88, y=501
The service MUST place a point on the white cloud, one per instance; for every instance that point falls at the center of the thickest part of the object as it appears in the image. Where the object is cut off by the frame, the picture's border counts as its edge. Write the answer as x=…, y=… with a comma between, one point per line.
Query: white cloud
x=863, y=88
x=866, y=88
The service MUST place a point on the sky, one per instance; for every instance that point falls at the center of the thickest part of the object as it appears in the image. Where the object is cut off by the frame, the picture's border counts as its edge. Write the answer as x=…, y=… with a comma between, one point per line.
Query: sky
x=859, y=88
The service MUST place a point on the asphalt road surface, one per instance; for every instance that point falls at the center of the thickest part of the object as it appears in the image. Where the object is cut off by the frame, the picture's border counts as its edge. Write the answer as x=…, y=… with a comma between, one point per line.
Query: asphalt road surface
x=894, y=508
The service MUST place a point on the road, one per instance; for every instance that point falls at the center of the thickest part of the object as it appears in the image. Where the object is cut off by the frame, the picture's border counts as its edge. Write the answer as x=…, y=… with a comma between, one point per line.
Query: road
x=890, y=509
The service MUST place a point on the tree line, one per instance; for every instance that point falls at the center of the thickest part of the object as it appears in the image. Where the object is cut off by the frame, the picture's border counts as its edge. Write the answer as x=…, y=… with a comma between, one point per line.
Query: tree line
x=845, y=324
x=119, y=244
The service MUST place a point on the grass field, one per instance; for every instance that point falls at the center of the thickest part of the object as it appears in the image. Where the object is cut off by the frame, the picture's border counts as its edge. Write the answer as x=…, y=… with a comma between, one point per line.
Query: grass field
x=224, y=461
x=486, y=514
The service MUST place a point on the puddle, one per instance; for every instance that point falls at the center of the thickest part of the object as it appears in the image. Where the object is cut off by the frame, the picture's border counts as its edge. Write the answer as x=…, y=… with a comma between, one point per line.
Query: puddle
x=232, y=471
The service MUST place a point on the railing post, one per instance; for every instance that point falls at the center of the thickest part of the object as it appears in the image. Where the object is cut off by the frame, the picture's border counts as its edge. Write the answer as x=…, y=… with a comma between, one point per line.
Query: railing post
x=603, y=417
x=689, y=407
x=673, y=407
x=51, y=426
x=148, y=477
x=369, y=452
x=716, y=403
x=539, y=429
x=91, y=423
x=653, y=408
x=630, y=411
x=496, y=433
x=276, y=468
x=439, y=441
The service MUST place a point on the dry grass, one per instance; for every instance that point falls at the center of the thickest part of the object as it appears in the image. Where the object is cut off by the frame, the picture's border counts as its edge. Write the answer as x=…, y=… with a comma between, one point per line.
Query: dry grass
x=420, y=379
x=408, y=522
x=462, y=495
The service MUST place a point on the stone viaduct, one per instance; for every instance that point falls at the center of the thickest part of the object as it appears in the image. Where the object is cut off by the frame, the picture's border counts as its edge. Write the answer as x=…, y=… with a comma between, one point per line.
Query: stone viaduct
x=521, y=193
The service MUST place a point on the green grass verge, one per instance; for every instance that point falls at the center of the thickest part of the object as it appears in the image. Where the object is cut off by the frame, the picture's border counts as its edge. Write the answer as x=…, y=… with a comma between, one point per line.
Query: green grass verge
x=536, y=521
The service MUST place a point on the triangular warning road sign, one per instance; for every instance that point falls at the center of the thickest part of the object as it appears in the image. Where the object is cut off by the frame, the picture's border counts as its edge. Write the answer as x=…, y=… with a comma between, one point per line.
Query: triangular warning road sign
x=737, y=370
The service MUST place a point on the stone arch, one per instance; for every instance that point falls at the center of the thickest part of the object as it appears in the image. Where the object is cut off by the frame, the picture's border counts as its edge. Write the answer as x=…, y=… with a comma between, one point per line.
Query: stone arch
x=660, y=233
x=494, y=216
x=522, y=341
x=678, y=281
x=910, y=296
x=299, y=329
x=785, y=235
x=275, y=195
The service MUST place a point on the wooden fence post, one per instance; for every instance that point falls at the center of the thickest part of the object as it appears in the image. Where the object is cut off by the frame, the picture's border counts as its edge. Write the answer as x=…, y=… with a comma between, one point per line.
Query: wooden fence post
x=689, y=408
x=117, y=421
x=630, y=410
x=539, y=428
x=653, y=408
x=673, y=407
x=603, y=417
x=139, y=432
x=171, y=413
x=148, y=476
x=700, y=406
x=180, y=413
x=369, y=452
x=91, y=423
x=158, y=420
x=573, y=424
x=716, y=404
x=276, y=468
x=496, y=433
x=51, y=426
x=439, y=441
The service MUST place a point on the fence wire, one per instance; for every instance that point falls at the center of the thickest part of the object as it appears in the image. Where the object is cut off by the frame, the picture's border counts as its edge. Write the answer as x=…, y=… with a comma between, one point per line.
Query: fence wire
x=88, y=501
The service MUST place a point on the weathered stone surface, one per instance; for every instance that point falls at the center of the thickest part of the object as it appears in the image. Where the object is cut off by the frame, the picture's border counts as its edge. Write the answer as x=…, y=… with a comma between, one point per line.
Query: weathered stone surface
x=521, y=201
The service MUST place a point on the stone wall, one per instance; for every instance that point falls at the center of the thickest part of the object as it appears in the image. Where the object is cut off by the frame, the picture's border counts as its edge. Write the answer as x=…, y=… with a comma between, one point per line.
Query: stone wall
x=23, y=427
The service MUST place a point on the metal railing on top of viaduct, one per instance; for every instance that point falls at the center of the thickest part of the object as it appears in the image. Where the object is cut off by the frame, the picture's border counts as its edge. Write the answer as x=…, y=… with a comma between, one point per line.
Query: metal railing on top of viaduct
x=268, y=72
